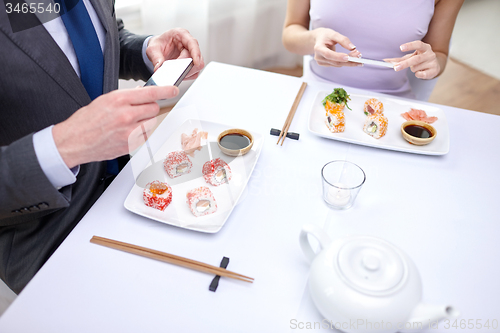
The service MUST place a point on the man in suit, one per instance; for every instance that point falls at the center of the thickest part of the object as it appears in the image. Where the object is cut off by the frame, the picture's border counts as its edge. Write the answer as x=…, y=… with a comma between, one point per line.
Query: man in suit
x=63, y=123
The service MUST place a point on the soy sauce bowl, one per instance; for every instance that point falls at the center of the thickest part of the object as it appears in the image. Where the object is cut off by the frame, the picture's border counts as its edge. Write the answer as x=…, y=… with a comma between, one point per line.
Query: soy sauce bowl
x=417, y=140
x=235, y=151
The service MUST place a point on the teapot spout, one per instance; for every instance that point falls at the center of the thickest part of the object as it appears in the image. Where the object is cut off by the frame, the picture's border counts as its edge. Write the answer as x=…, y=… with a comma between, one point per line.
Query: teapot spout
x=428, y=315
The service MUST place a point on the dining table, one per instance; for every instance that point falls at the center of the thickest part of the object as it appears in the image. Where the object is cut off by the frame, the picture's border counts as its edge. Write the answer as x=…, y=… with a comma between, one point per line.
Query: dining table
x=442, y=210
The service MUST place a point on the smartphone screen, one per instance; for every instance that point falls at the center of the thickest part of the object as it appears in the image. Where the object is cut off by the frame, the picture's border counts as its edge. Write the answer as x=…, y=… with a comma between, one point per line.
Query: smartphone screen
x=171, y=73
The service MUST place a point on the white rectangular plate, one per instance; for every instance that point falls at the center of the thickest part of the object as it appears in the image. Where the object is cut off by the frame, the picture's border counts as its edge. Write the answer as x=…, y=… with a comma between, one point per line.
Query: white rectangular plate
x=393, y=140
x=226, y=195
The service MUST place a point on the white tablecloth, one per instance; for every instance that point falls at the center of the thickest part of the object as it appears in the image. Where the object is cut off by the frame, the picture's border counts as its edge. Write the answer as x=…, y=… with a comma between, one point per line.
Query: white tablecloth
x=443, y=211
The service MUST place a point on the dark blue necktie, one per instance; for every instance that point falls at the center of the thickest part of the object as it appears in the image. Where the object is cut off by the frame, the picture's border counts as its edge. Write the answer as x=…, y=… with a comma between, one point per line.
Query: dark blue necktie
x=88, y=52
x=86, y=45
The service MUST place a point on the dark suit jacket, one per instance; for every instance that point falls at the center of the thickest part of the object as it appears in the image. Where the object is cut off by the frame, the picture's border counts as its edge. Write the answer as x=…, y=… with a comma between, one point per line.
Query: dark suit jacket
x=38, y=88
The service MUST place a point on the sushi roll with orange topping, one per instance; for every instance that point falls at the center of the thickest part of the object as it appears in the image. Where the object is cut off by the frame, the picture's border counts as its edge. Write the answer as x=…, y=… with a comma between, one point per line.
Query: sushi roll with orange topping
x=336, y=101
x=373, y=106
x=177, y=164
x=331, y=107
x=201, y=201
x=375, y=125
x=157, y=195
x=216, y=172
x=334, y=106
x=335, y=122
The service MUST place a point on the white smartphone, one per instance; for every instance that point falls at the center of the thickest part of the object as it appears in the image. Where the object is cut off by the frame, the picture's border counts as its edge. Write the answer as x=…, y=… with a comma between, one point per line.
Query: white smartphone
x=171, y=73
x=371, y=62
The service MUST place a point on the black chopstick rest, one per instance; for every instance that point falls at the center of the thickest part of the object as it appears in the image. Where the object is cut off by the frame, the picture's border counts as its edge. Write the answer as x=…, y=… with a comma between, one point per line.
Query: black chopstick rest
x=290, y=135
x=215, y=281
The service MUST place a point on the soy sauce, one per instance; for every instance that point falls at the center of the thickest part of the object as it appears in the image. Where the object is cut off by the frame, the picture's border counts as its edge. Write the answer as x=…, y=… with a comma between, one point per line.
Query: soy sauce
x=234, y=141
x=418, y=131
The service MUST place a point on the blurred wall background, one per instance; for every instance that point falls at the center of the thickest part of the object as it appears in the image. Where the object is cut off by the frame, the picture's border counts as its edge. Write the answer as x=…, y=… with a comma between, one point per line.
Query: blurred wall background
x=476, y=37
x=239, y=32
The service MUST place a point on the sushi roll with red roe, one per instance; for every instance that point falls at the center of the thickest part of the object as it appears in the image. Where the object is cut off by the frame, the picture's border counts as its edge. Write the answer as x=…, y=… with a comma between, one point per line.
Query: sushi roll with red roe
x=216, y=172
x=157, y=195
x=201, y=201
x=177, y=164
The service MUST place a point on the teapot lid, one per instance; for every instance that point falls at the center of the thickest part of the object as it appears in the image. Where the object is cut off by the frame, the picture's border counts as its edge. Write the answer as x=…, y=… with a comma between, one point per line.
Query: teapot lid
x=372, y=266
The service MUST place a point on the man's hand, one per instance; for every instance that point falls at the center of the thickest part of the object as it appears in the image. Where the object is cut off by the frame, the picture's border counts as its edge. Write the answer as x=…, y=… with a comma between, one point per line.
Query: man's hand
x=110, y=126
x=174, y=44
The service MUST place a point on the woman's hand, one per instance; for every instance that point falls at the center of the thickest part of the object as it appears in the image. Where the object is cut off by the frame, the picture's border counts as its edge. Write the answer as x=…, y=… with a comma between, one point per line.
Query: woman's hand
x=423, y=61
x=324, y=48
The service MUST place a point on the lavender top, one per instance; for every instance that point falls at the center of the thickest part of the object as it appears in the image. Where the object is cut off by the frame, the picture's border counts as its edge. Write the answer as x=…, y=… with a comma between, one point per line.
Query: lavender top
x=377, y=28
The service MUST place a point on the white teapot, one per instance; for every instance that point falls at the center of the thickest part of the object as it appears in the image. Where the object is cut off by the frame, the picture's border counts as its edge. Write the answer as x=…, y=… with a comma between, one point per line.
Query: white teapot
x=366, y=284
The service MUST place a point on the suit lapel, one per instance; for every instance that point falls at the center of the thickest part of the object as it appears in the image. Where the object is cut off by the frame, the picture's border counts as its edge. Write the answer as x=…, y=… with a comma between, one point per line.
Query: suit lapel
x=41, y=47
x=105, y=12
x=103, y=16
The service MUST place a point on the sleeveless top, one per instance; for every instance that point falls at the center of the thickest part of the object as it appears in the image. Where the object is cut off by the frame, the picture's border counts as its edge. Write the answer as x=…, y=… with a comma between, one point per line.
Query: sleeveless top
x=377, y=28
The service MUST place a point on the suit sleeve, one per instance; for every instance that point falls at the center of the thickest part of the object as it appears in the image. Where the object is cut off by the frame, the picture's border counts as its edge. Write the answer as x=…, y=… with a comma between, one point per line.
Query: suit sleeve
x=25, y=191
x=132, y=65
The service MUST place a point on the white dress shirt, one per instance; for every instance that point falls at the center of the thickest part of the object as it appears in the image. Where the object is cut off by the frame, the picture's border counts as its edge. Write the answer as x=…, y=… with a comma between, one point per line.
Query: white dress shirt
x=46, y=151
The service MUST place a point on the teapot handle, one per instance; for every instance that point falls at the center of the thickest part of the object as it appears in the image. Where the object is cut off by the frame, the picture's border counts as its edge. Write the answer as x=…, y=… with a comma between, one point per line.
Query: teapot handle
x=319, y=234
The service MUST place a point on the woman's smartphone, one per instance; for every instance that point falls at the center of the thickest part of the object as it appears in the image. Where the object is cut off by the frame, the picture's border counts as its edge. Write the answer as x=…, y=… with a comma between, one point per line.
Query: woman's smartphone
x=171, y=73
x=371, y=62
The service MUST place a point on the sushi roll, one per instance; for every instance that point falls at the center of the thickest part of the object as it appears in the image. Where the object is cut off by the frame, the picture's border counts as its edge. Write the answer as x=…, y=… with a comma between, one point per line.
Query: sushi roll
x=373, y=106
x=335, y=122
x=375, y=125
x=336, y=101
x=333, y=107
x=157, y=195
x=201, y=201
x=177, y=164
x=216, y=172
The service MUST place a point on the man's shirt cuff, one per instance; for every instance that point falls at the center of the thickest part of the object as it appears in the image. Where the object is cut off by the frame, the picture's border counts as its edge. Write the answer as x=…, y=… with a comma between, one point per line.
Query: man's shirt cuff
x=145, y=58
x=51, y=161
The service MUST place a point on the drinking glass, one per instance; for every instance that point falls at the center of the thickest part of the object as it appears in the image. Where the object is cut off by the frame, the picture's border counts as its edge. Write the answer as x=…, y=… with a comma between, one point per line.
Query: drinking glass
x=342, y=181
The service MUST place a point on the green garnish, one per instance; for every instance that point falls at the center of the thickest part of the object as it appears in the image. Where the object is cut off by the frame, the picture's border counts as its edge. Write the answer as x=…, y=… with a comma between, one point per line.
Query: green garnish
x=338, y=96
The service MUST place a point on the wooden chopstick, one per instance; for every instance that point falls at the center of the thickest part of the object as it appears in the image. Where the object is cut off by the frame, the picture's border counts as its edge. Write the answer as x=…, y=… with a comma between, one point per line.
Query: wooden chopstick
x=170, y=258
x=291, y=114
